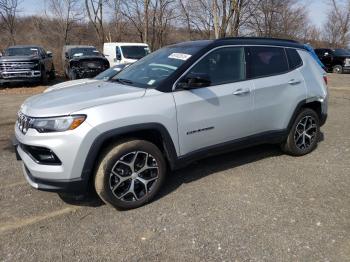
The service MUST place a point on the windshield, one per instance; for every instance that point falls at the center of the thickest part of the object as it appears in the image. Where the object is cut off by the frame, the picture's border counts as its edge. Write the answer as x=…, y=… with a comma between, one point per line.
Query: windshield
x=76, y=52
x=110, y=72
x=25, y=51
x=156, y=67
x=135, y=52
x=341, y=52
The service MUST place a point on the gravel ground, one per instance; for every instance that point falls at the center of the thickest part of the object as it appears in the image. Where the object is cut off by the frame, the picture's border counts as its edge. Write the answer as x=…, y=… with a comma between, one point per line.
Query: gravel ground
x=252, y=205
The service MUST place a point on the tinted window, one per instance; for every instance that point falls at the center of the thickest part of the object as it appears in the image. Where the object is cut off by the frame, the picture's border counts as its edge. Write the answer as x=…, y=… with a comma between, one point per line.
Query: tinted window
x=223, y=65
x=266, y=61
x=294, y=59
x=135, y=52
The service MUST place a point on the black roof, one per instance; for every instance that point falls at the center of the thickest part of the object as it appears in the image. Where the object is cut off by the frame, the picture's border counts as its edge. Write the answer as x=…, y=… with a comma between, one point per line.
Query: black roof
x=244, y=41
x=260, y=41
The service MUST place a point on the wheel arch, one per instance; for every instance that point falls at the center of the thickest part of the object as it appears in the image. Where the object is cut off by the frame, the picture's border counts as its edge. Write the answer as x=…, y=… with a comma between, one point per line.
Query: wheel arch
x=152, y=132
x=312, y=103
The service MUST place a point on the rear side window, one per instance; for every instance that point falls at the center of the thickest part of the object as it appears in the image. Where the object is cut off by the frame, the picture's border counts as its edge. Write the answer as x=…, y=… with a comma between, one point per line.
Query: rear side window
x=222, y=66
x=294, y=59
x=266, y=61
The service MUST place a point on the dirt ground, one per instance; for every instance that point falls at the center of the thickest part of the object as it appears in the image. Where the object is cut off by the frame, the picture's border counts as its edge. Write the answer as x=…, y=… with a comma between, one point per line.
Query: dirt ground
x=251, y=205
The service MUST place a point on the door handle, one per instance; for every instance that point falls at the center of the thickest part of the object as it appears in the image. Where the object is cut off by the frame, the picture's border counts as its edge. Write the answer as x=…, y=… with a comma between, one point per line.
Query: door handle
x=241, y=91
x=294, y=82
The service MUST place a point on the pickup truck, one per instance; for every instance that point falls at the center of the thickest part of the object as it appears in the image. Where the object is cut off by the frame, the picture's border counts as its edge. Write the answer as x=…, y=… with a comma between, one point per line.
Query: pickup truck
x=26, y=63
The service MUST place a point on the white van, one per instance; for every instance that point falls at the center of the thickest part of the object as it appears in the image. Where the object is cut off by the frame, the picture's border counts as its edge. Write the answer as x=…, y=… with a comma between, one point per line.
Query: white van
x=123, y=53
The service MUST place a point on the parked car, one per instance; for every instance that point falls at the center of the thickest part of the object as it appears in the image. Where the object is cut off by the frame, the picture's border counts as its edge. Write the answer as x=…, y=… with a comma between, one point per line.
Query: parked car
x=26, y=63
x=335, y=60
x=81, y=61
x=125, y=53
x=180, y=103
x=104, y=76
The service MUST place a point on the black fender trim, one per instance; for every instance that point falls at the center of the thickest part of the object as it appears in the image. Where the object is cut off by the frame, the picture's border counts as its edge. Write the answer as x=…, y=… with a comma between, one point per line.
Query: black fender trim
x=168, y=145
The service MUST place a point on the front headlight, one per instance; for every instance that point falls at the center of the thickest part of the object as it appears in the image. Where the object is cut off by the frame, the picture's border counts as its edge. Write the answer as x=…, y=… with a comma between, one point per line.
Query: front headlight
x=57, y=124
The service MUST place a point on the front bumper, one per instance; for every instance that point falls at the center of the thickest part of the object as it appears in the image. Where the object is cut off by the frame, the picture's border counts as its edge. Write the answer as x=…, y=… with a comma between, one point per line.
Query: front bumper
x=20, y=76
x=71, y=147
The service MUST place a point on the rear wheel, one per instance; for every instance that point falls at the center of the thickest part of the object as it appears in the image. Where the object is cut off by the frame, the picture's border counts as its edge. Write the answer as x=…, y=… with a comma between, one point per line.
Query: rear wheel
x=304, y=134
x=338, y=69
x=130, y=174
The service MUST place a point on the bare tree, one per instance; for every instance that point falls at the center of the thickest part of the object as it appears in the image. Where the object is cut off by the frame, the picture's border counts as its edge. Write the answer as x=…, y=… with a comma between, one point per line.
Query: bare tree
x=337, y=26
x=271, y=18
x=8, y=13
x=66, y=13
x=94, y=9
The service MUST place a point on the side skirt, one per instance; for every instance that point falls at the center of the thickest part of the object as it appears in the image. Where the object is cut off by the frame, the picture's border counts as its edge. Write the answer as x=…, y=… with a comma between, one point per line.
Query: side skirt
x=271, y=137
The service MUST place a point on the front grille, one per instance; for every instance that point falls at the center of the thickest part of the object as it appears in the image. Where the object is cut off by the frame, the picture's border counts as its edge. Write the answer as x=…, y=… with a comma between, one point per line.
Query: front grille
x=347, y=61
x=24, y=122
x=92, y=65
x=17, y=66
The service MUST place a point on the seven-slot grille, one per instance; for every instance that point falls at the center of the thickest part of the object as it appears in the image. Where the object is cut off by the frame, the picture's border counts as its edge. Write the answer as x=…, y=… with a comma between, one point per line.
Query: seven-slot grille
x=24, y=122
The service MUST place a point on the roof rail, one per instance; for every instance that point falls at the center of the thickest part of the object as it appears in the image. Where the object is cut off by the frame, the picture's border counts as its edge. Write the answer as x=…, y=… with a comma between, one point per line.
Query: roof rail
x=259, y=38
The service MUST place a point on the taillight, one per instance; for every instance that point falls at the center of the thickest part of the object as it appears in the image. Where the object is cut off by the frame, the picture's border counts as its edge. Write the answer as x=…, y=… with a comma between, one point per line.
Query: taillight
x=325, y=79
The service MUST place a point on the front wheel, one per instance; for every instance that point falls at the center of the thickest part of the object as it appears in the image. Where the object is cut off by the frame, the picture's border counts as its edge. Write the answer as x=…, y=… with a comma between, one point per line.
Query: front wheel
x=130, y=174
x=304, y=134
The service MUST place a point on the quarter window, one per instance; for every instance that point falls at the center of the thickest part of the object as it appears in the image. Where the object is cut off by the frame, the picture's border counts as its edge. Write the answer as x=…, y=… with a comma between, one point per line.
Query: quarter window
x=222, y=66
x=267, y=61
x=294, y=59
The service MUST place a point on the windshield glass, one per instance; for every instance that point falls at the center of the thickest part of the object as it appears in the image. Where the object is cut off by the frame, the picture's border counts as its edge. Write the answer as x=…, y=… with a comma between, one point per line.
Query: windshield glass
x=156, y=67
x=110, y=72
x=25, y=51
x=135, y=52
x=76, y=52
x=341, y=52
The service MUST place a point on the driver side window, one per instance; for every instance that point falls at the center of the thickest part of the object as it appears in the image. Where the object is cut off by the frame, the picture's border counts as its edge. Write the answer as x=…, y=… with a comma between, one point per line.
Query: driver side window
x=222, y=66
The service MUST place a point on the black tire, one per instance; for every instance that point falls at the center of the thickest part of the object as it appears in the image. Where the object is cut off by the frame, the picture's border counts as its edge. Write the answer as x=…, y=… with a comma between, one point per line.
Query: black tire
x=125, y=160
x=337, y=69
x=44, y=78
x=52, y=74
x=304, y=140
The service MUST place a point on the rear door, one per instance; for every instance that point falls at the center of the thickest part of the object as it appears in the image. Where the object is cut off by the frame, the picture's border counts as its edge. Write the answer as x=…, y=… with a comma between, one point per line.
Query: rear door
x=218, y=113
x=278, y=87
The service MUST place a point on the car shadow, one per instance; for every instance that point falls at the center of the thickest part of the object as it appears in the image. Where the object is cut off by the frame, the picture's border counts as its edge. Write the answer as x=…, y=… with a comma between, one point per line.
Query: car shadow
x=212, y=165
x=51, y=82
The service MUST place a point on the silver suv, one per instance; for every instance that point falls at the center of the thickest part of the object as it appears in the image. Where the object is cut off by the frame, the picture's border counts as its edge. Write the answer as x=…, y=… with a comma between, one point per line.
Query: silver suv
x=180, y=103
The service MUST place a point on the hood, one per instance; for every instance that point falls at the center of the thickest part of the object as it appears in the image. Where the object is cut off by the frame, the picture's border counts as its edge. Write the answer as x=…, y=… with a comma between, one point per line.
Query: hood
x=70, y=84
x=71, y=99
x=18, y=58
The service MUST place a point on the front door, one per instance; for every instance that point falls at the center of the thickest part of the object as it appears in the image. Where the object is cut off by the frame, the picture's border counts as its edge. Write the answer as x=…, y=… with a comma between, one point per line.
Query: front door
x=220, y=112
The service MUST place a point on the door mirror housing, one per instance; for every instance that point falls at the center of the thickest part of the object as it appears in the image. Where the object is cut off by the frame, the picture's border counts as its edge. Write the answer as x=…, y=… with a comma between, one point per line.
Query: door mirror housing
x=194, y=80
x=49, y=54
x=119, y=57
x=66, y=55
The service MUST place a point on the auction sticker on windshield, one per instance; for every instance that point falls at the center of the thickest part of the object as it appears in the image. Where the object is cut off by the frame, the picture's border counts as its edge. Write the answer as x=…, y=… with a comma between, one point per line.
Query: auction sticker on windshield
x=180, y=56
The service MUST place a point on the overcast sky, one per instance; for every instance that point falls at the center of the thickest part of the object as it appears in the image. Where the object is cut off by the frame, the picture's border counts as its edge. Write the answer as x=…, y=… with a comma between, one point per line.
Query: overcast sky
x=317, y=9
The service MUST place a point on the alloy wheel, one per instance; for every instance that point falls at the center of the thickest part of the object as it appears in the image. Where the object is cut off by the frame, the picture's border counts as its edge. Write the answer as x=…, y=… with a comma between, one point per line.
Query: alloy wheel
x=133, y=176
x=305, y=132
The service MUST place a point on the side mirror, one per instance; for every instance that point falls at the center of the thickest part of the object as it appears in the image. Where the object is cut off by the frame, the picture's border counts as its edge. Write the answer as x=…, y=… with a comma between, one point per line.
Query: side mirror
x=194, y=80
x=119, y=57
x=49, y=54
x=66, y=55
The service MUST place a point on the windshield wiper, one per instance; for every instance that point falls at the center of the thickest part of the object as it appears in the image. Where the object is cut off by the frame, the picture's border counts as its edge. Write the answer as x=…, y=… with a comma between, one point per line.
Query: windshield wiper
x=123, y=81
